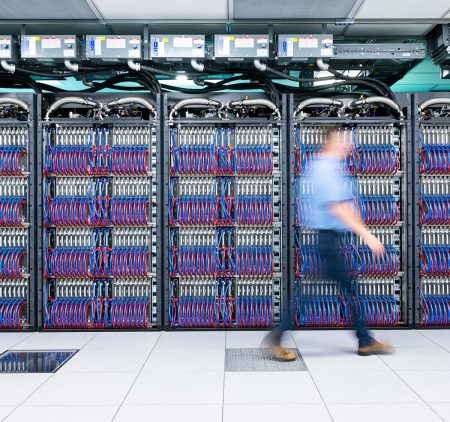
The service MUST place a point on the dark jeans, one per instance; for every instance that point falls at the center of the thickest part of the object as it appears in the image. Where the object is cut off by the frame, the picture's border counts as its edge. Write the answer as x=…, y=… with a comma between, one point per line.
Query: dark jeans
x=335, y=270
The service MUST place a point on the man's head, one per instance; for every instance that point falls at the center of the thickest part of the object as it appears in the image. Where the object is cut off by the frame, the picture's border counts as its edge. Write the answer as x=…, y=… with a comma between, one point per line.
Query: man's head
x=337, y=142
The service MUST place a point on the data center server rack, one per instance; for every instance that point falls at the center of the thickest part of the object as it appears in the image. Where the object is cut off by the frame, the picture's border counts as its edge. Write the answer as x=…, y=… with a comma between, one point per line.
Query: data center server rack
x=379, y=160
x=17, y=211
x=99, y=157
x=225, y=220
x=431, y=181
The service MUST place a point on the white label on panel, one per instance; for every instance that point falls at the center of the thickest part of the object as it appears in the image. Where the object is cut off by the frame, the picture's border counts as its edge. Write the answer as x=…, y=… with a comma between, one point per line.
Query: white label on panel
x=326, y=52
x=115, y=43
x=244, y=42
x=262, y=52
x=5, y=53
x=182, y=42
x=225, y=46
x=51, y=43
x=30, y=45
x=161, y=52
x=69, y=53
x=134, y=53
x=69, y=40
x=5, y=41
x=308, y=42
x=98, y=46
x=289, y=47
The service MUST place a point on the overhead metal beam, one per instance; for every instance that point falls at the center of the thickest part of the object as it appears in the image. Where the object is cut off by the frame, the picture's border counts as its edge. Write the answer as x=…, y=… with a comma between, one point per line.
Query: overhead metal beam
x=393, y=21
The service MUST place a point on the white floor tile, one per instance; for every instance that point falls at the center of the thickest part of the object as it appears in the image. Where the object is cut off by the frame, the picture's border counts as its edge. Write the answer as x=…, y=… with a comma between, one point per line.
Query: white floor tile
x=253, y=339
x=411, y=359
x=275, y=412
x=270, y=387
x=177, y=388
x=15, y=388
x=170, y=413
x=55, y=341
x=440, y=337
x=324, y=339
x=431, y=386
x=192, y=340
x=403, y=338
x=419, y=412
x=63, y=413
x=178, y=360
x=341, y=360
x=107, y=360
x=442, y=409
x=9, y=340
x=83, y=389
x=5, y=411
x=124, y=340
x=363, y=387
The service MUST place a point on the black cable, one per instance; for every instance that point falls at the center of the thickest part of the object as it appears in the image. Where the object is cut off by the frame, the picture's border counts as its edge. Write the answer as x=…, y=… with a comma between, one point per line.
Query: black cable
x=299, y=79
x=12, y=79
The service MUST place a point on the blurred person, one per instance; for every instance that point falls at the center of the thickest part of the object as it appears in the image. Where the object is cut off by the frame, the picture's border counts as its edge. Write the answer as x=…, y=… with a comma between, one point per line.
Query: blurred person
x=333, y=214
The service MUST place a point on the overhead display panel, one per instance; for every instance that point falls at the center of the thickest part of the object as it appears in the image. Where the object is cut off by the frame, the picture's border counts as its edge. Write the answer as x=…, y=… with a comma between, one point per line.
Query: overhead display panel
x=49, y=47
x=177, y=46
x=113, y=47
x=241, y=46
x=304, y=46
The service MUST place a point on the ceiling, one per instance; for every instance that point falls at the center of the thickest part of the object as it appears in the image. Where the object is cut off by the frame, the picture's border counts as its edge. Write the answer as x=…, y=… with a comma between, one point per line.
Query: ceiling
x=378, y=18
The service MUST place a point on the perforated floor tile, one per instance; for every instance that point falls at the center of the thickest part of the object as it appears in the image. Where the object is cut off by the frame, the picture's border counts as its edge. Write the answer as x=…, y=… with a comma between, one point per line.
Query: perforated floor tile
x=255, y=359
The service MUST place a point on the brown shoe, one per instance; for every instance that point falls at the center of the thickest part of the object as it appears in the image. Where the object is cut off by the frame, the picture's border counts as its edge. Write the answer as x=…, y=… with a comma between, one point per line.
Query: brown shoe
x=283, y=355
x=375, y=348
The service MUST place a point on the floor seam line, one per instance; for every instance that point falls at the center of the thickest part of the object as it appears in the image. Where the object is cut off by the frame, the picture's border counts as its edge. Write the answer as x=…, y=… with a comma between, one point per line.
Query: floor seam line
x=137, y=376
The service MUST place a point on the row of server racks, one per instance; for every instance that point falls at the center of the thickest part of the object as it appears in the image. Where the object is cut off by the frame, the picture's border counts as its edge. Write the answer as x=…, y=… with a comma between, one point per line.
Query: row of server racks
x=128, y=211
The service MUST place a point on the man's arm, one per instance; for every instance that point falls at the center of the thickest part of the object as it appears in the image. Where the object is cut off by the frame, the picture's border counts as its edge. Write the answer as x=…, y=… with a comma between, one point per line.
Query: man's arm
x=345, y=213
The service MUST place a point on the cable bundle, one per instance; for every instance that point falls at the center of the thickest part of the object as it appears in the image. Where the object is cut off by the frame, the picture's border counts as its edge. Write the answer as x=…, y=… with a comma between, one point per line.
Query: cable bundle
x=10, y=312
x=129, y=312
x=381, y=311
x=379, y=210
x=434, y=209
x=434, y=260
x=10, y=261
x=70, y=313
x=308, y=261
x=128, y=261
x=254, y=260
x=69, y=211
x=322, y=311
x=254, y=160
x=68, y=161
x=193, y=261
x=361, y=261
x=374, y=160
x=434, y=159
x=225, y=253
x=224, y=202
x=129, y=211
x=254, y=210
x=129, y=160
x=12, y=212
x=10, y=157
x=225, y=155
x=435, y=309
x=68, y=262
x=254, y=310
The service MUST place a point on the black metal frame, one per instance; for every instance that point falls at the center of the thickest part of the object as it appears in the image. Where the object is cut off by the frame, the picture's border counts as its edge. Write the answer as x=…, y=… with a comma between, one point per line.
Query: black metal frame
x=47, y=99
x=416, y=99
x=168, y=101
x=404, y=102
x=31, y=99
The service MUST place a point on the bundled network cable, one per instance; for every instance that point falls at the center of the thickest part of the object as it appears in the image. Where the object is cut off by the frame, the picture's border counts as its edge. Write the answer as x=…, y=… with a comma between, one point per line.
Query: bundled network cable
x=222, y=207
x=14, y=221
x=99, y=218
x=374, y=192
x=434, y=219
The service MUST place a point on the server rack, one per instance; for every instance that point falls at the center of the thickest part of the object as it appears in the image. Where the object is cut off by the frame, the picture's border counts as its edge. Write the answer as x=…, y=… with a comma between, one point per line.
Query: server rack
x=208, y=282
x=17, y=204
x=431, y=182
x=99, y=160
x=382, y=288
